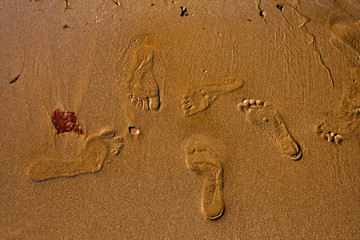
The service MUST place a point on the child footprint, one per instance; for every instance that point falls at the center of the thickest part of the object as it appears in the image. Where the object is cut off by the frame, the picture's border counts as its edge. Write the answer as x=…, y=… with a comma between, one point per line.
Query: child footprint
x=201, y=159
x=199, y=98
x=267, y=118
x=119, y=144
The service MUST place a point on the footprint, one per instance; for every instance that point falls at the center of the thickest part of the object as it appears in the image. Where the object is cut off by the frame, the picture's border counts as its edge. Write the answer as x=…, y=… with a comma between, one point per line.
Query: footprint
x=137, y=71
x=201, y=159
x=344, y=121
x=328, y=135
x=200, y=98
x=261, y=114
x=339, y=125
x=90, y=160
x=119, y=144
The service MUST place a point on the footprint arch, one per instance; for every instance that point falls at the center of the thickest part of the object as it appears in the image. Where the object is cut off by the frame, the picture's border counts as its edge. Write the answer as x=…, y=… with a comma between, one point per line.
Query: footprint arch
x=201, y=159
x=90, y=160
x=137, y=71
x=201, y=97
x=261, y=114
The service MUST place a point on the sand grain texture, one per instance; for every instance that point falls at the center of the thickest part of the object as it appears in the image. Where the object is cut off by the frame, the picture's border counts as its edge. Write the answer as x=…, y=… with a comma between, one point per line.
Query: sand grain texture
x=147, y=93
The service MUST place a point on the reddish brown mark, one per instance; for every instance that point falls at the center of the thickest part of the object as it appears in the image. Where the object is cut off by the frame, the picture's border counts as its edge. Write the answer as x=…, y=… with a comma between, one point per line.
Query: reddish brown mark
x=65, y=122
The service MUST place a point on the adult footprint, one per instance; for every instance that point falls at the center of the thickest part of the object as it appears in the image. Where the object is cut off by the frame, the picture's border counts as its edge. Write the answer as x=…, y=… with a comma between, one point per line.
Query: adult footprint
x=137, y=70
x=90, y=160
x=261, y=114
x=200, y=98
x=201, y=159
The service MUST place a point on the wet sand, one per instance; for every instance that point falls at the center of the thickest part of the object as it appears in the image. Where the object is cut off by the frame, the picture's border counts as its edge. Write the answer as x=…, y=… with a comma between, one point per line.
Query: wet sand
x=179, y=120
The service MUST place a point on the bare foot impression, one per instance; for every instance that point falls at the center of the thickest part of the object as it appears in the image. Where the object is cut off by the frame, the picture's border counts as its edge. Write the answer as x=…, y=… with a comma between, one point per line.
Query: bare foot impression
x=200, y=98
x=344, y=121
x=137, y=71
x=338, y=126
x=201, y=159
x=327, y=134
x=119, y=142
x=267, y=118
x=90, y=160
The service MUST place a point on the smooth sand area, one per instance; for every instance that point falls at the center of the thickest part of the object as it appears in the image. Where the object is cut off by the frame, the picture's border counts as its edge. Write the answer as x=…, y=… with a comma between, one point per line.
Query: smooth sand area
x=179, y=119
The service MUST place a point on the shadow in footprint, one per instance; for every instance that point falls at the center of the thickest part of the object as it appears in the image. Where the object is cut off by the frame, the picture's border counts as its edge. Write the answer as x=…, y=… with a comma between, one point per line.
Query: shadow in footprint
x=199, y=98
x=268, y=119
x=90, y=160
x=201, y=159
x=137, y=70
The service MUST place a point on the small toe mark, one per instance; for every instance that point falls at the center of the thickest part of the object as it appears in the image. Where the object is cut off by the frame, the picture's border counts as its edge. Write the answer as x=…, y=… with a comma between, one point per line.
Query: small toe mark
x=320, y=128
x=146, y=104
x=140, y=103
x=154, y=103
x=134, y=100
x=185, y=101
x=186, y=106
x=330, y=137
x=107, y=133
x=246, y=103
x=187, y=113
x=259, y=102
x=186, y=96
x=323, y=136
x=116, y=151
x=338, y=138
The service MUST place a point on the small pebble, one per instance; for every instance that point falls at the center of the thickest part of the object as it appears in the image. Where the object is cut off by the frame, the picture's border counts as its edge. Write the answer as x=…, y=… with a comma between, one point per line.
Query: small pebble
x=134, y=130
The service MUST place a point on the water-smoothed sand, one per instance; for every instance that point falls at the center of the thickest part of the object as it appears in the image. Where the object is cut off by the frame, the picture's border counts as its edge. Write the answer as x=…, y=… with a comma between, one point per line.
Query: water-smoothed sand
x=179, y=120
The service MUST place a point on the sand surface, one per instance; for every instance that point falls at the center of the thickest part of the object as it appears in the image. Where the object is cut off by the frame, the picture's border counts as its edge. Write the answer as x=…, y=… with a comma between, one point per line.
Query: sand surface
x=179, y=119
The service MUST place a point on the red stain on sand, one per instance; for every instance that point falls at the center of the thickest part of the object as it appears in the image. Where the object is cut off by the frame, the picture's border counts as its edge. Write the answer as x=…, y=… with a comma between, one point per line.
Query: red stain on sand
x=65, y=122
